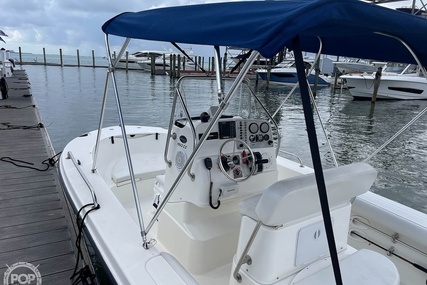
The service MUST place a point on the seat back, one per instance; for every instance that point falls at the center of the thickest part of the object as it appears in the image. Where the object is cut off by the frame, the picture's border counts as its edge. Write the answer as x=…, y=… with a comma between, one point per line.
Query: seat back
x=292, y=234
x=296, y=198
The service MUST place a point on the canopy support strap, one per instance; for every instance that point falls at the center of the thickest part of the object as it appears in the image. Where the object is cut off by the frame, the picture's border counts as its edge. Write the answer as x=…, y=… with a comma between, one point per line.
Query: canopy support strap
x=315, y=156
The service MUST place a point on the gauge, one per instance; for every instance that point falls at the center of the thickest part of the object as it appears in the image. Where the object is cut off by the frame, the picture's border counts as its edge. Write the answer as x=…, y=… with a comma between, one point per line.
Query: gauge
x=264, y=127
x=259, y=138
x=252, y=138
x=253, y=128
x=266, y=137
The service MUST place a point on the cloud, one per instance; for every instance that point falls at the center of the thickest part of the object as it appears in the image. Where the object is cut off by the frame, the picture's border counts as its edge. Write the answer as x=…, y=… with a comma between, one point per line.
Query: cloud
x=69, y=25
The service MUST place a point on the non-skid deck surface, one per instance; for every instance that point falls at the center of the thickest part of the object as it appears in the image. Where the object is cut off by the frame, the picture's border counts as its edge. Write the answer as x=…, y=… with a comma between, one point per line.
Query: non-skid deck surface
x=33, y=215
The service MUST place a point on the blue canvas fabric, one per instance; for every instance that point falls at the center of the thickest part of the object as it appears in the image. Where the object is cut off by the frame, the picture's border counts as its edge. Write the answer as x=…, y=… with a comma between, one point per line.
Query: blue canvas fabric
x=347, y=27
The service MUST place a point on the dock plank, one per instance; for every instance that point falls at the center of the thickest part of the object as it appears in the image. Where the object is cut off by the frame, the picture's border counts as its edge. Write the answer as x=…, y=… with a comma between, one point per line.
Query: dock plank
x=30, y=209
x=35, y=227
x=34, y=218
x=31, y=218
x=53, y=270
x=36, y=253
x=37, y=239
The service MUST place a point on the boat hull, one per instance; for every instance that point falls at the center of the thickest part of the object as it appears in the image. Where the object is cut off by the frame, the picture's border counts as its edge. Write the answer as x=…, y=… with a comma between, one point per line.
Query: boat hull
x=394, y=87
x=113, y=229
x=354, y=67
x=289, y=77
x=130, y=64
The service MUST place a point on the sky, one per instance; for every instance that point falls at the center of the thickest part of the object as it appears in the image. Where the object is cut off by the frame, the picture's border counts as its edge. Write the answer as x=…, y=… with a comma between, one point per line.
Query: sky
x=72, y=24
x=76, y=24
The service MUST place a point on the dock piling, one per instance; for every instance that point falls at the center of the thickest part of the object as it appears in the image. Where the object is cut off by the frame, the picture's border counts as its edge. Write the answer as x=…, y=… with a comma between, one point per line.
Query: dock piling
x=376, y=84
x=60, y=57
x=44, y=56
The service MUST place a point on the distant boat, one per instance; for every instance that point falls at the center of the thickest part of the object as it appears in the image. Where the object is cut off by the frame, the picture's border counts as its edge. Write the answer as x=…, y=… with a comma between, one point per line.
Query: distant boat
x=286, y=73
x=131, y=61
x=410, y=84
x=162, y=61
x=356, y=66
x=261, y=62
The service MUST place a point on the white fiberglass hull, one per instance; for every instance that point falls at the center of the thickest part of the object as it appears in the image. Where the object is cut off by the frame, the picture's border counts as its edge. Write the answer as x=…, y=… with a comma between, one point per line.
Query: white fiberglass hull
x=288, y=76
x=409, y=87
x=130, y=64
x=354, y=67
x=206, y=257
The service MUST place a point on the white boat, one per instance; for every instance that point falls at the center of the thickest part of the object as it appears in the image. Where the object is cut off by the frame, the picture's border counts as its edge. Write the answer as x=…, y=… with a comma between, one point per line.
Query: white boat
x=286, y=73
x=208, y=200
x=409, y=84
x=358, y=66
x=260, y=63
x=131, y=61
x=162, y=62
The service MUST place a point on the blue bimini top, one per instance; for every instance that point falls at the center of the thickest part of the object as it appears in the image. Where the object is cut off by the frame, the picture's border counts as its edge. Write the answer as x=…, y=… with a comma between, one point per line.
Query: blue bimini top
x=346, y=27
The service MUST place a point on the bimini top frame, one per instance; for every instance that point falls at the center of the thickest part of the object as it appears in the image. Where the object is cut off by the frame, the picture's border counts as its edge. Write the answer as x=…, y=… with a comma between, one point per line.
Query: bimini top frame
x=345, y=27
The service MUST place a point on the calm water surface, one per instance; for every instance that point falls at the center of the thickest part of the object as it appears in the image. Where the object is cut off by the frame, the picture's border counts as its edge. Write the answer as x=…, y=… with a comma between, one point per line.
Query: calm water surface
x=70, y=99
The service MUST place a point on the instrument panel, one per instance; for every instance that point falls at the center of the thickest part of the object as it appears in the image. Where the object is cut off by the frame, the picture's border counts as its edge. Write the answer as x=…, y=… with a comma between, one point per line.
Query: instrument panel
x=256, y=133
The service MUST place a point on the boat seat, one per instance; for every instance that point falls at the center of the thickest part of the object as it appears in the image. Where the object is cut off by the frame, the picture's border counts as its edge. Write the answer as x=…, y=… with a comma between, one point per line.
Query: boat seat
x=290, y=216
x=282, y=202
x=362, y=267
x=145, y=166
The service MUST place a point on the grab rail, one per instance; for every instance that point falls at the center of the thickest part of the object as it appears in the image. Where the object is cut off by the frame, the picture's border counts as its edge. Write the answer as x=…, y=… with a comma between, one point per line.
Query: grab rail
x=245, y=258
x=76, y=164
x=308, y=72
x=187, y=114
x=294, y=155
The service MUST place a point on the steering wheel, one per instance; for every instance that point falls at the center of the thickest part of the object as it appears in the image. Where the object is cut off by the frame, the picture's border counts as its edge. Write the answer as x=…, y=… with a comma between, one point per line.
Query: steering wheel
x=238, y=165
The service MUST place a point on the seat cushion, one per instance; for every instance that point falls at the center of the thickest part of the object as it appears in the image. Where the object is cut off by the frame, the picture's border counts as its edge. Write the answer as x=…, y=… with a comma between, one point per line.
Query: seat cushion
x=362, y=267
x=145, y=165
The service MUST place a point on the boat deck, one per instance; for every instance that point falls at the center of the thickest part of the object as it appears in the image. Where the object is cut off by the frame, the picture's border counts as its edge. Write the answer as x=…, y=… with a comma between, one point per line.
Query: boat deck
x=34, y=217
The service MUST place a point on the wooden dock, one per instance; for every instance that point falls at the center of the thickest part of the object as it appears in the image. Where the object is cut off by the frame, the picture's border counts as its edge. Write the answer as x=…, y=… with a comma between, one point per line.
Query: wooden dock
x=34, y=217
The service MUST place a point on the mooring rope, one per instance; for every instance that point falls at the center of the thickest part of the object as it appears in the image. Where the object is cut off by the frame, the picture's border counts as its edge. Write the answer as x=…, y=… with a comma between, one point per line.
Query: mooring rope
x=9, y=126
x=84, y=275
x=25, y=164
x=13, y=107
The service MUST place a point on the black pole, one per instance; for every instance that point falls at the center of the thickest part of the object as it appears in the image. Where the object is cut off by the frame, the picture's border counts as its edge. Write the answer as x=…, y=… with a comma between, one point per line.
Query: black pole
x=315, y=156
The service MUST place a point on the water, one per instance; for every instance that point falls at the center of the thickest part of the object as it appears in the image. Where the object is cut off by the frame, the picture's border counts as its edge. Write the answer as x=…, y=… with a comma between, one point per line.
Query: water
x=69, y=101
